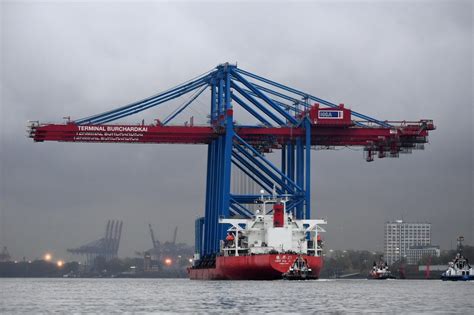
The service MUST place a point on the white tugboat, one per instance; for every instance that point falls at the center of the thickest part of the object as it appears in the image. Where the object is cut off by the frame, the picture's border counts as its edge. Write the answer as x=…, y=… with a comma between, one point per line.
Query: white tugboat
x=380, y=271
x=459, y=269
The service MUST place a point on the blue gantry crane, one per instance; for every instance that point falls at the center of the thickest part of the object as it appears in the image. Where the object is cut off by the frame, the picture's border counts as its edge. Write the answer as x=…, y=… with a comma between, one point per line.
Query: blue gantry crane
x=283, y=119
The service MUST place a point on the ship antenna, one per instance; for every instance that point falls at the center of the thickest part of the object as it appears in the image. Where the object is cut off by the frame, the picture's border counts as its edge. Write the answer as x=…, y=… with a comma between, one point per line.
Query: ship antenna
x=460, y=247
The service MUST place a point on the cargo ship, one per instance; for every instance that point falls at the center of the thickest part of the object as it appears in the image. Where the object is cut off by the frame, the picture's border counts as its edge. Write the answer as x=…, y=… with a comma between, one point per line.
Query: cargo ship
x=271, y=245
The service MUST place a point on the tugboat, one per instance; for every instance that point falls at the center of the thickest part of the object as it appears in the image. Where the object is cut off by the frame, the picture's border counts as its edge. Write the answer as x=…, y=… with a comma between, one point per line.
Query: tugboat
x=299, y=271
x=459, y=269
x=380, y=271
x=271, y=245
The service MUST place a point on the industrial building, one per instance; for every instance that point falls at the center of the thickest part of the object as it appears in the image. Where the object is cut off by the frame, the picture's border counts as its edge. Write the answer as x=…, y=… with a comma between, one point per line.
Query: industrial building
x=407, y=240
x=415, y=253
x=4, y=255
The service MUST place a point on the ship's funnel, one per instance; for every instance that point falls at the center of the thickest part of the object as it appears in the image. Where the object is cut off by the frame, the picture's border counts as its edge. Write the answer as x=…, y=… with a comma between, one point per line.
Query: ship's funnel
x=278, y=215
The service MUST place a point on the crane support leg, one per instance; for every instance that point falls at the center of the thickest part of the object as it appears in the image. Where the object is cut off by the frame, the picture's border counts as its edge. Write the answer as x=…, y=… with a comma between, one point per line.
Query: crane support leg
x=307, y=125
x=299, y=173
x=219, y=166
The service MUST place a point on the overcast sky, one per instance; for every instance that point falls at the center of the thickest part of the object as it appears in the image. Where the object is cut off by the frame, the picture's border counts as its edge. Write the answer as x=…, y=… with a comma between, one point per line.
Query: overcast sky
x=394, y=61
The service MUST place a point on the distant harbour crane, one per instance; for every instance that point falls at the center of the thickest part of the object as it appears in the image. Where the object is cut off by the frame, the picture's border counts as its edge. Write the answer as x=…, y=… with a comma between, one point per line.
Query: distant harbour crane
x=106, y=247
x=156, y=244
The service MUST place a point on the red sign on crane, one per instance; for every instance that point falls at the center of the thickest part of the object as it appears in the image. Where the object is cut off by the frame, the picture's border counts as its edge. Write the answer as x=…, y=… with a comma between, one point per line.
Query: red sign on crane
x=330, y=117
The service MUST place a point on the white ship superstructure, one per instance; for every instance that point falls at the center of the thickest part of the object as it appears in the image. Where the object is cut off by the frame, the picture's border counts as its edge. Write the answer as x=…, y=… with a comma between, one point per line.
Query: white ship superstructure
x=272, y=230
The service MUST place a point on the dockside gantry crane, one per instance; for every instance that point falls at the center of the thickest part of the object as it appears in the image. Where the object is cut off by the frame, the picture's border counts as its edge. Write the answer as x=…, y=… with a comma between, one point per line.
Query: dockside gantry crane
x=284, y=119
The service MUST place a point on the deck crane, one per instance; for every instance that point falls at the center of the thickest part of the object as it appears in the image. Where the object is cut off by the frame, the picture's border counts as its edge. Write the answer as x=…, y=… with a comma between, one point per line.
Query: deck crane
x=285, y=119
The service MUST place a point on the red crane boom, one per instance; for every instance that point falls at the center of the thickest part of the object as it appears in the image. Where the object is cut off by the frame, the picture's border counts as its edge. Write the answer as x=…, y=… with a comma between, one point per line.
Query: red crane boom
x=404, y=135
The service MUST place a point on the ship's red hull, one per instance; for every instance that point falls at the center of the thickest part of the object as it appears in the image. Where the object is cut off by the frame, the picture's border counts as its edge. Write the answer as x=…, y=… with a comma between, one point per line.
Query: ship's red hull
x=256, y=267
